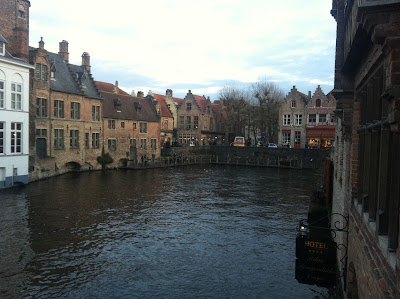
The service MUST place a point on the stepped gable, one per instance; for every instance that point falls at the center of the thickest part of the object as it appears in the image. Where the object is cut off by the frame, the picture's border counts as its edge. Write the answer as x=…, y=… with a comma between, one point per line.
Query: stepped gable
x=85, y=81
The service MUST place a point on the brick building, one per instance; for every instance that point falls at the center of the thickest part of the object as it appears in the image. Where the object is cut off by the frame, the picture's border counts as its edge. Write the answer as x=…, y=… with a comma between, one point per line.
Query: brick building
x=292, y=120
x=197, y=121
x=367, y=154
x=131, y=125
x=14, y=26
x=167, y=118
x=65, y=114
x=321, y=120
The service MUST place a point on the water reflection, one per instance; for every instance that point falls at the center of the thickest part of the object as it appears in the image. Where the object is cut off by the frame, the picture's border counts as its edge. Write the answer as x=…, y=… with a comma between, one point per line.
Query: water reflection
x=188, y=232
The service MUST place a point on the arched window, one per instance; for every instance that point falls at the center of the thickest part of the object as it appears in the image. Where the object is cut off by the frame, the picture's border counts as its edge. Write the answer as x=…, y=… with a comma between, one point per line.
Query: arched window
x=318, y=103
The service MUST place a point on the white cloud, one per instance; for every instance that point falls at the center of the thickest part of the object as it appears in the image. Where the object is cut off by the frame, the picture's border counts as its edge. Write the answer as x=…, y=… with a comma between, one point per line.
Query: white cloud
x=189, y=42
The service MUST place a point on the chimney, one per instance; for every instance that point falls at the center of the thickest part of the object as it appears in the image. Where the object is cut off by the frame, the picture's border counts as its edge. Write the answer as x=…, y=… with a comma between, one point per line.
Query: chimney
x=86, y=61
x=309, y=94
x=41, y=44
x=116, y=88
x=64, y=50
x=140, y=94
x=169, y=92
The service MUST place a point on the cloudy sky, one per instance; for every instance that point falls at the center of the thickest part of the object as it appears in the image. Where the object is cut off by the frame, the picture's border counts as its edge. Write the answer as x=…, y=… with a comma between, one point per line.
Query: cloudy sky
x=202, y=45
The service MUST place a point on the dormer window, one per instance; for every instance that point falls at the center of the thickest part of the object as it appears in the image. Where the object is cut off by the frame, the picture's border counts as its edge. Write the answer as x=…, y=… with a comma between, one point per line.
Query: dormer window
x=118, y=107
x=2, y=49
x=117, y=104
x=138, y=107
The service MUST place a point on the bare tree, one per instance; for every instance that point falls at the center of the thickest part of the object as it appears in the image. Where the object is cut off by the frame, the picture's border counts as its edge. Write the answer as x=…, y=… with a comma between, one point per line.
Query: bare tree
x=267, y=96
x=236, y=100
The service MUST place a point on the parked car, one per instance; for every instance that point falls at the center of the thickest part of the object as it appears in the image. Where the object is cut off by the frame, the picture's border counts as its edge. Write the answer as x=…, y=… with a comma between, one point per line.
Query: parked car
x=271, y=145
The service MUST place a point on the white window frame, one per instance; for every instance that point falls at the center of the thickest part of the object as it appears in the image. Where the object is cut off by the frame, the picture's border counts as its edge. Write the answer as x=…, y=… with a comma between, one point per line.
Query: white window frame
x=16, y=138
x=298, y=119
x=2, y=49
x=286, y=119
x=286, y=138
x=293, y=104
x=95, y=112
x=2, y=93
x=16, y=96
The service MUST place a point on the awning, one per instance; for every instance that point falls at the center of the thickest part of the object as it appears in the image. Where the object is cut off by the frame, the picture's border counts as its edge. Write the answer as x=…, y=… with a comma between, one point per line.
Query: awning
x=320, y=133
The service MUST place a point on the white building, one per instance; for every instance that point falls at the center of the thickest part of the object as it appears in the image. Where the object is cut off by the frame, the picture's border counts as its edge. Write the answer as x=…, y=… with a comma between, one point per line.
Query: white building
x=14, y=118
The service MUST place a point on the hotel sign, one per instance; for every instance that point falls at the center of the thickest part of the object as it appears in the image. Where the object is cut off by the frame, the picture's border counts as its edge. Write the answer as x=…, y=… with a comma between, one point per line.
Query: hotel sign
x=316, y=260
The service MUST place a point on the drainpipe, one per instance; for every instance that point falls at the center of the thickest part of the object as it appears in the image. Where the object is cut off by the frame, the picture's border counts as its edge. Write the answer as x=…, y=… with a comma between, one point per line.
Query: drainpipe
x=51, y=125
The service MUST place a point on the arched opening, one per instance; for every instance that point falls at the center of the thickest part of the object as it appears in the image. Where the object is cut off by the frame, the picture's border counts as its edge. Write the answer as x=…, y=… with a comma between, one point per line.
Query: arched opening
x=73, y=166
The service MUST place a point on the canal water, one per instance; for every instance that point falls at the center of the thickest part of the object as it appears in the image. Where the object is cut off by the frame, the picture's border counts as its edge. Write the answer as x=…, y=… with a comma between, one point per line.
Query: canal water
x=188, y=232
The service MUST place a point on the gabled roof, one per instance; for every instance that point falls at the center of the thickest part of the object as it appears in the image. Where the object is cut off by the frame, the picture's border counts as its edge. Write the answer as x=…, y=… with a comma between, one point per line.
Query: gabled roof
x=109, y=87
x=69, y=78
x=165, y=112
x=129, y=107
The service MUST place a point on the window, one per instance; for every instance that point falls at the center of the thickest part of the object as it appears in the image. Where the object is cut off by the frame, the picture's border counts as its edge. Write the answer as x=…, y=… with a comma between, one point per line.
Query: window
x=2, y=93
x=111, y=124
x=95, y=113
x=332, y=119
x=297, y=137
x=21, y=11
x=322, y=119
x=211, y=124
x=312, y=119
x=286, y=119
x=59, y=138
x=112, y=145
x=318, y=103
x=118, y=106
x=75, y=110
x=143, y=144
x=169, y=106
x=2, y=49
x=58, y=109
x=16, y=96
x=143, y=127
x=293, y=104
x=122, y=124
x=188, y=122
x=16, y=138
x=2, y=131
x=299, y=119
x=286, y=138
x=41, y=132
x=95, y=140
x=74, y=139
x=41, y=107
x=181, y=122
x=188, y=106
x=165, y=124
x=41, y=72
x=153, y=144
x=134, y=126
x=195, y=122
x=86, y=140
